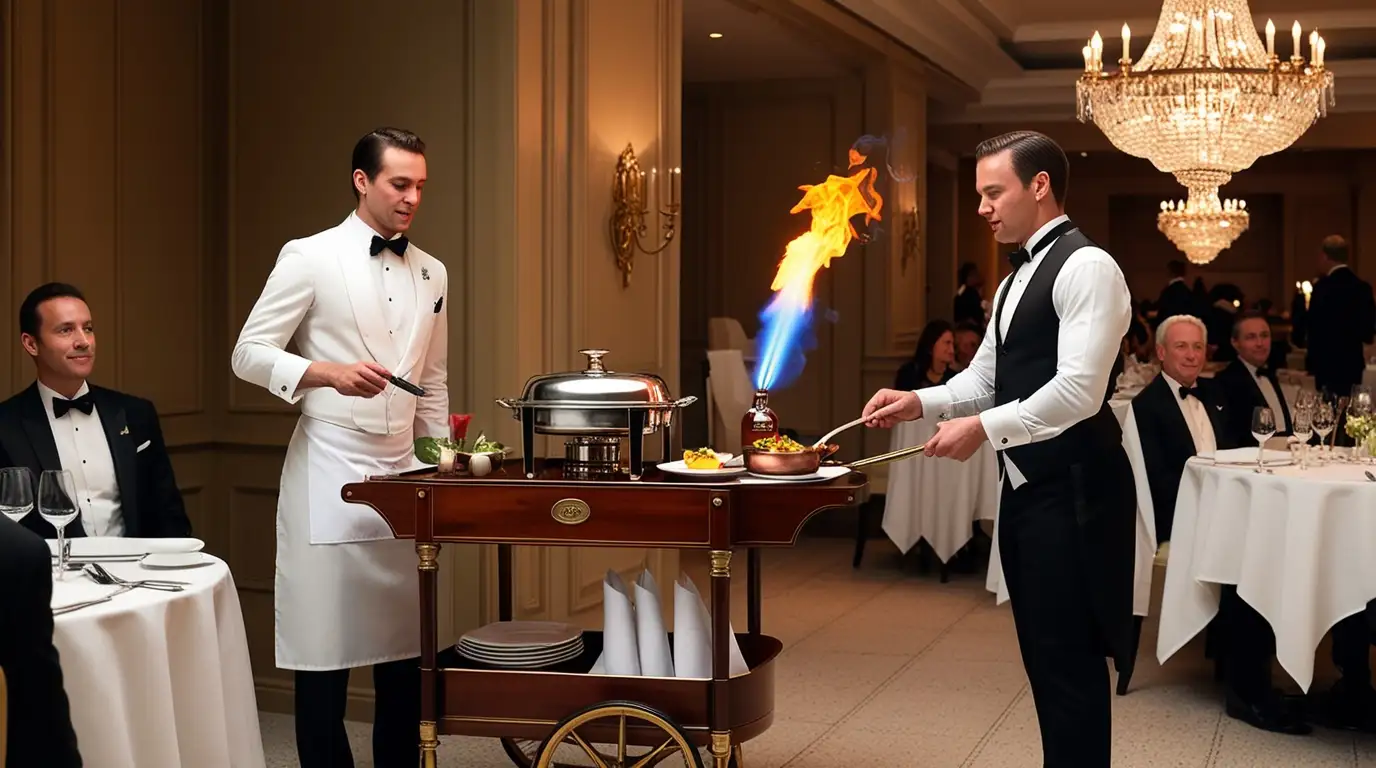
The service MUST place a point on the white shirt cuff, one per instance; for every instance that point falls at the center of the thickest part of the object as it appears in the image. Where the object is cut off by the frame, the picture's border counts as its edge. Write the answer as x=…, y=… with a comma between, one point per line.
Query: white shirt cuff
x=286, y=375
x=1004, y=427
x=935, y=401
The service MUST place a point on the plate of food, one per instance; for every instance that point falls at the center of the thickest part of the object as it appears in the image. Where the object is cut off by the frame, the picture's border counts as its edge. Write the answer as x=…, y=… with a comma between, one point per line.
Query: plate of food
x=456, y=453
x=703, y=462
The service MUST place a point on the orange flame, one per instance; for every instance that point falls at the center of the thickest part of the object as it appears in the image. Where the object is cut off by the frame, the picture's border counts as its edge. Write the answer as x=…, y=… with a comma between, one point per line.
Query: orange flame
x=833, y=203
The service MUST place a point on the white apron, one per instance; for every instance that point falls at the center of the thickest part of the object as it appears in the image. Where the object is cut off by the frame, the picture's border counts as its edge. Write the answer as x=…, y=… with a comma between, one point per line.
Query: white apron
x=341, y=605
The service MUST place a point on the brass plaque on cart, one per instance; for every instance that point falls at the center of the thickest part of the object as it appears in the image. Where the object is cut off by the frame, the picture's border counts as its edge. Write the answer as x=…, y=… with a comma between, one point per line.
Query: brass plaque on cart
x=571, y=511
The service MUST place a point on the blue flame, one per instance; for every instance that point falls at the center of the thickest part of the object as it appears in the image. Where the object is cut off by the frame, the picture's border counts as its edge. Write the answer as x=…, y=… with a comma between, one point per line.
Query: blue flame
x=785, y=338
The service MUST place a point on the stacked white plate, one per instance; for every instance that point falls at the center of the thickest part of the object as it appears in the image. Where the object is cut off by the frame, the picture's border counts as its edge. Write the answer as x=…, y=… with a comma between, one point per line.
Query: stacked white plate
x=522, y=644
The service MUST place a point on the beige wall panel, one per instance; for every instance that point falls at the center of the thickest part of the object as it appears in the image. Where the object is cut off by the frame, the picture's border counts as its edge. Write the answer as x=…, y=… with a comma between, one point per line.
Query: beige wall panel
x=158, y=204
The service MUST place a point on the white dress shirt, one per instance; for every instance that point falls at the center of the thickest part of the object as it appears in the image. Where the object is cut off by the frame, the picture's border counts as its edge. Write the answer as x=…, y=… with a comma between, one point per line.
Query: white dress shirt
x=1269, y=392
x=1196, y=418
x=84, y=451
x=1091, y=299
x=398, y=294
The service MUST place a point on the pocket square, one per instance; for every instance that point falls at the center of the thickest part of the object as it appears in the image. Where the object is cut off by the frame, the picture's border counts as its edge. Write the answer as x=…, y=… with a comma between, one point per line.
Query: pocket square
x=146, y=443
x=439, y=304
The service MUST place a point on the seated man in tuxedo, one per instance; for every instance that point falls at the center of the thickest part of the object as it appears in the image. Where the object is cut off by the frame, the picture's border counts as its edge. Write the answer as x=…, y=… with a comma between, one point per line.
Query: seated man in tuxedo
x=110, y=442
x=1178, y=416
x=40, y=720
x=1248, y=382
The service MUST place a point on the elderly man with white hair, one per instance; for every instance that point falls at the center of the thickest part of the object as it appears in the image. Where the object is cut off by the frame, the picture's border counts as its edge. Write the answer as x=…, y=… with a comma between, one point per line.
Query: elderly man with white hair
x=1180, y=415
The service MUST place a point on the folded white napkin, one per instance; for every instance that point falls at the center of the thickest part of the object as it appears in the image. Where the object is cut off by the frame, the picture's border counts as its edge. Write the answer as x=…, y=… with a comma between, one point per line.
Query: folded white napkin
x=620, y=651
x=693, y=635
x=656, y=660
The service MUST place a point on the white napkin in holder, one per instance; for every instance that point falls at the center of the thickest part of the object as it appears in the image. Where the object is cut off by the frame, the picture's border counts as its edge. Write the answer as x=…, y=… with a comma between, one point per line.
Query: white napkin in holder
x=693, y=635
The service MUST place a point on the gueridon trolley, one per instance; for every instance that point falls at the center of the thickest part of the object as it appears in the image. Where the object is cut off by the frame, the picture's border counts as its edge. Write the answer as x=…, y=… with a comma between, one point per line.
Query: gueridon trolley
x=603, y=717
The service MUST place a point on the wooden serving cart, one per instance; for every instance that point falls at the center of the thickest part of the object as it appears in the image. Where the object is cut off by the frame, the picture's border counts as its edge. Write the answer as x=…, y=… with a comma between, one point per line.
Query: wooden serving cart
x=537, y=712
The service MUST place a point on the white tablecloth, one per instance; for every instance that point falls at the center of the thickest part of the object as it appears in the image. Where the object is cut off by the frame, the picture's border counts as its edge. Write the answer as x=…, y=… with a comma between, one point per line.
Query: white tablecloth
x=1298, y=545
x=159, y=679
x=938, y=499
x=1146, y=520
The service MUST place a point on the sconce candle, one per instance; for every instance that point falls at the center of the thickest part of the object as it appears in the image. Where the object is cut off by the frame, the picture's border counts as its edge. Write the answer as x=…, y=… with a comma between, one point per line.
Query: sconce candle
x=630, y=206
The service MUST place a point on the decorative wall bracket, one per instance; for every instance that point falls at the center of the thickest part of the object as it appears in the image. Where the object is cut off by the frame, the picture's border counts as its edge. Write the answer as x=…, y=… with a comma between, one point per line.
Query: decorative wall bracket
x=630, y=206
x=912, y=240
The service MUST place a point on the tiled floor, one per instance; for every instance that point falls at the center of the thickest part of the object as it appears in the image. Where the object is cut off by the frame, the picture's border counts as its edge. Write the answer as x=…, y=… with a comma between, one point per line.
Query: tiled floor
x=886, y=667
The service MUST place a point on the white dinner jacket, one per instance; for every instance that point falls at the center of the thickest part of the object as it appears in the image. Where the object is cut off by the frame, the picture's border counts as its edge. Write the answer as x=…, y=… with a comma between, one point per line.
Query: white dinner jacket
x=323, y=295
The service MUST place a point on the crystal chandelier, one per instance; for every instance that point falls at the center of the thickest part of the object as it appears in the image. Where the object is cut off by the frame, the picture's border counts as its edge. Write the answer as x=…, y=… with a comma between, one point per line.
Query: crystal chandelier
x=1206, y=100
x=1203, y=225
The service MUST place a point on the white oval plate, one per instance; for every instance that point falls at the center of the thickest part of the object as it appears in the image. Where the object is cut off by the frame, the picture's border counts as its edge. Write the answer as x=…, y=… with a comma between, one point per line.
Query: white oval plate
x=681, y=468
x=175, y=560
x=825, y=473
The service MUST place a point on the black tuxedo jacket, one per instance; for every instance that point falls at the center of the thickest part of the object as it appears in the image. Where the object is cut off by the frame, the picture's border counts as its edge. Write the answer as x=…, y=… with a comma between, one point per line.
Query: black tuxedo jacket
x=150, y=501
x=40, y=718
x=1342, y=314
x=1243, y=395
x=1167, y=444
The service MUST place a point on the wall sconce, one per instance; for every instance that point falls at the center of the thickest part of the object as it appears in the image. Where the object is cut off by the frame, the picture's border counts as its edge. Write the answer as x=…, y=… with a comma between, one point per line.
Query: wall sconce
x=1307, y=288
x=912, y=230
x=630, y=206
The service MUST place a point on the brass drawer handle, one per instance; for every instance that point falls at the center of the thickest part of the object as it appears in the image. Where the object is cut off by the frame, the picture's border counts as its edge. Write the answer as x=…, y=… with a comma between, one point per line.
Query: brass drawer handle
x=571, y=511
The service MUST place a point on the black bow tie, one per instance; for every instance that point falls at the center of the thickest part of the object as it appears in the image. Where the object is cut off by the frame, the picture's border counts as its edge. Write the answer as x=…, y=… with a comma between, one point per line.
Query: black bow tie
x=1019, y=257
x=1187, y=391
x=1024, y=255
x=397, y=245
x=1263, y=373
x=83, y=404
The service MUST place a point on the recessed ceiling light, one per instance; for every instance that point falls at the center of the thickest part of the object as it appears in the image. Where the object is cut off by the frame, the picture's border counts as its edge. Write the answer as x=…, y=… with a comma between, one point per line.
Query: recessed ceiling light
x=1084, y=154
x=714, y=35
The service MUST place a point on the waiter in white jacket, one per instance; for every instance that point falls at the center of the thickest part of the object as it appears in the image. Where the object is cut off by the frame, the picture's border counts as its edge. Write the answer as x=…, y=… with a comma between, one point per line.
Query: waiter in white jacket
x=362, y=305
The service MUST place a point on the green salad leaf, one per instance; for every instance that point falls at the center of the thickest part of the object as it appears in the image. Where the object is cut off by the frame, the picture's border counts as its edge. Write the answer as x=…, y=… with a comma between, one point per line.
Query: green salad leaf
x=428, y=448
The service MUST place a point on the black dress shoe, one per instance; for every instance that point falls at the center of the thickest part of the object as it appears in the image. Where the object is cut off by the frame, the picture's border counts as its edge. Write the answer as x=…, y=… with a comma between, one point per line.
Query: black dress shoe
x=1269, y=713
x=1350, y=707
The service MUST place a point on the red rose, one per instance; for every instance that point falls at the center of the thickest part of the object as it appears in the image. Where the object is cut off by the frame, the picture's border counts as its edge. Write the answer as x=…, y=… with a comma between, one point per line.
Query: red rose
x=458, y=425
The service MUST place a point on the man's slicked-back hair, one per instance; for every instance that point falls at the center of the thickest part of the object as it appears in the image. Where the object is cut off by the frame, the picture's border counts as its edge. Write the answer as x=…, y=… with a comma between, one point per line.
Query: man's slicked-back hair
x=1032, y=153
x=29, y=320
x=369, y=150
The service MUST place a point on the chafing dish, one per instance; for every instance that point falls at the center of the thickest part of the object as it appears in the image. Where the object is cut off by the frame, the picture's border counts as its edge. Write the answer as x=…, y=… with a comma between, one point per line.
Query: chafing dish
x=595, y=408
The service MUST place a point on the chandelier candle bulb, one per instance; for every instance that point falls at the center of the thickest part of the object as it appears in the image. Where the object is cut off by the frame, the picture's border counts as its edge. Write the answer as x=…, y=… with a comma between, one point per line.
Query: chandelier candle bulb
x=1097, y=43
x=1295, y=34
x=1319, y=61
x=1089, y=58
x=1127, y=44
x=1270, y=38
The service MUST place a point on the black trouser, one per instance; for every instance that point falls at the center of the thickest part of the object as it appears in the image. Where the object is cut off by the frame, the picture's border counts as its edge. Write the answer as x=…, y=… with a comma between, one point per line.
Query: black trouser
x=321, y=741
x=1249, y=646
x=1042, y=551
x=1352, y=639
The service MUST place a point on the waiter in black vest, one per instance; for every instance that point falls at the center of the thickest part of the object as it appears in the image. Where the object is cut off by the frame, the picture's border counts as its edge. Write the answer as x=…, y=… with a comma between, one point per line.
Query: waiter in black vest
x=1038, y=389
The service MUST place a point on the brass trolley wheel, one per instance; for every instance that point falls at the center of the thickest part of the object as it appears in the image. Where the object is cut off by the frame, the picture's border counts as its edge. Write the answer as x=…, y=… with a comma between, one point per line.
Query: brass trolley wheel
x=522, y=752
x=614, y=718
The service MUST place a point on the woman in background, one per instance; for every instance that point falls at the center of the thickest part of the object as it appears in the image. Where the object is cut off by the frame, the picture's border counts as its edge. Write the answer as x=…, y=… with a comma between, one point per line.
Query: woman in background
x=931, y=362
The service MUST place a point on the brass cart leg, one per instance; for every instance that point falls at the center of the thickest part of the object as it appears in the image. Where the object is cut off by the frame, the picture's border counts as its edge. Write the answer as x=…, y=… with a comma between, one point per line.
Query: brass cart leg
x=429, y=745
x=721, y=749
x=738, y=756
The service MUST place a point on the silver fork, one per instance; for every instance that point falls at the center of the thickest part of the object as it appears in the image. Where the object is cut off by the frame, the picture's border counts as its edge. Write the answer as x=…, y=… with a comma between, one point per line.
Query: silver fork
x=102, y=576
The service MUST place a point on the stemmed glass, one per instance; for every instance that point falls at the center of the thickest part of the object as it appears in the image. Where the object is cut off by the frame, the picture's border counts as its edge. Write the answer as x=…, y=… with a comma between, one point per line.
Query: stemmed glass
x=16, y=492
x=1324, y=422
x=1303, y=430
x=1263, y=426
x=57, y=504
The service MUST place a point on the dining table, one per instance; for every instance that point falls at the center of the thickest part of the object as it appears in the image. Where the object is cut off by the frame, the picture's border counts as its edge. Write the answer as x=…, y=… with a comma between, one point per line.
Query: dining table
x=1295, y=541
x=156, y=679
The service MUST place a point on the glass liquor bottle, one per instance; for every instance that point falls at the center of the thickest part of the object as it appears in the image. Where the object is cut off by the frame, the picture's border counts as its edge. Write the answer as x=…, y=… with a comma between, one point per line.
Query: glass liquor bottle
x=759, y=422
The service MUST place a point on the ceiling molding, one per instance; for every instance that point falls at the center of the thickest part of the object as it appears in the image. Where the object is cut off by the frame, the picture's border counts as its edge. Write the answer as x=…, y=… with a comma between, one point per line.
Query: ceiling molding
x=1143, y=27
x=943, y=31
x=1050, y=95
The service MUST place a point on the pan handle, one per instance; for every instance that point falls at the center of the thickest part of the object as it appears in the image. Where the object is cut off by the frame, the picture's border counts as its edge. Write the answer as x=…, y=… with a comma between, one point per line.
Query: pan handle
x=885, y=458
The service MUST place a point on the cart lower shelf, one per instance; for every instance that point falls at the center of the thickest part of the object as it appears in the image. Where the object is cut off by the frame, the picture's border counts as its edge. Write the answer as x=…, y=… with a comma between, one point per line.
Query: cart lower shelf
x=479, y=700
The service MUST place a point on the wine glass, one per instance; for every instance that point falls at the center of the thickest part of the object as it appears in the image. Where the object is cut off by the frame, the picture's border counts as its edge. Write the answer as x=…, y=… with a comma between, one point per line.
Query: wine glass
x=1323, y=422
x=16, y=492
x=1263, y=426
x=57, y=504
x=1303, y=430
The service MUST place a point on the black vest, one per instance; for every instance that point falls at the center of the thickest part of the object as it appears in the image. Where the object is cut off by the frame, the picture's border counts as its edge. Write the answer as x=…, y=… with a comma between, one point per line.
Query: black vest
x=1026, y=362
